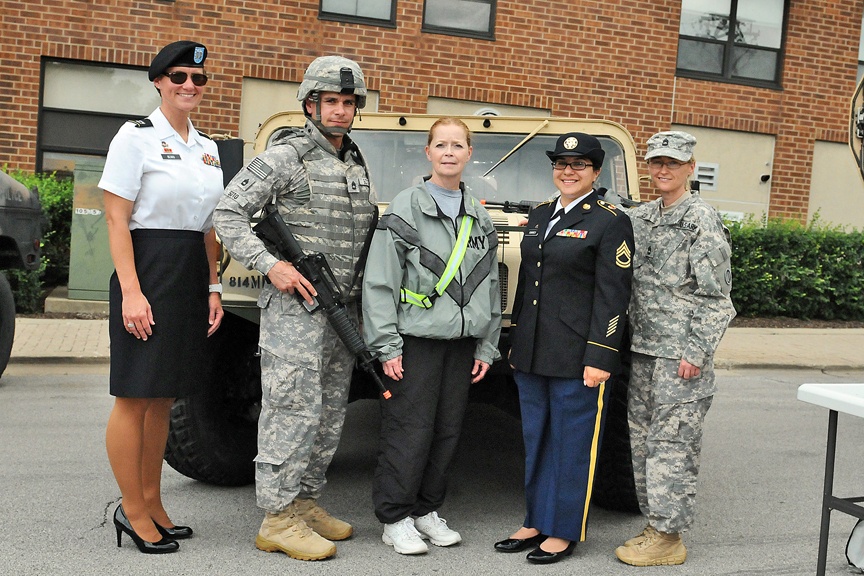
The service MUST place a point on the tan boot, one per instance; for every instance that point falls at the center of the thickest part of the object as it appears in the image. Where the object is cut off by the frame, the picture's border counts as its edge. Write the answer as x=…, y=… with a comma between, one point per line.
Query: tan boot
x=657, y=549
x=320, y=521
x=641, y=537
x=287, y=532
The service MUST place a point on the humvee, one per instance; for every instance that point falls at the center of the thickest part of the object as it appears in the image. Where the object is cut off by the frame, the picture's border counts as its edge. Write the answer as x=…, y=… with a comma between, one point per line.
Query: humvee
x=213, y=436
x=20, y=248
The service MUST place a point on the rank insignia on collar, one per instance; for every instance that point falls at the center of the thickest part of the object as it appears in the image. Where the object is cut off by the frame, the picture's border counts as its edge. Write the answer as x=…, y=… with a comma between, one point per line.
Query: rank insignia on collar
x=570, y=233
x=623, y=256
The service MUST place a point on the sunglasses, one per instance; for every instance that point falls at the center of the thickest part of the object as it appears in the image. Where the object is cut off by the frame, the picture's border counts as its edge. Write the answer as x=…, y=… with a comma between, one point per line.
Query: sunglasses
x=180, y=78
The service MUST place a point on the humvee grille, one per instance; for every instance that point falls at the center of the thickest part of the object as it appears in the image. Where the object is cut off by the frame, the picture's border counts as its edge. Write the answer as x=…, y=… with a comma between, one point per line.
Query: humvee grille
x=502, y=284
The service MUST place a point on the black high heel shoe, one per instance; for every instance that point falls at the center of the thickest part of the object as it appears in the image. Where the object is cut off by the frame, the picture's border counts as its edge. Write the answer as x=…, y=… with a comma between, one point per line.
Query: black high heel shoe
x=122, y=524
x=540, y=556
x=175, y=533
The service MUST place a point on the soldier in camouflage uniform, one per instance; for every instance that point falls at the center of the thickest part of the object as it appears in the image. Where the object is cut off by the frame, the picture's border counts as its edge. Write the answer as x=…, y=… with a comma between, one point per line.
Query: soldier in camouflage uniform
x=679, y=310
x=318, y=181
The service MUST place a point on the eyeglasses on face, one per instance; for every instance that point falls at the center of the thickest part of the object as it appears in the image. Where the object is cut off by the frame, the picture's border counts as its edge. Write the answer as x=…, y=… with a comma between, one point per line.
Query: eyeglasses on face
x=657, y=164
x=180, y=78
x=575, y=165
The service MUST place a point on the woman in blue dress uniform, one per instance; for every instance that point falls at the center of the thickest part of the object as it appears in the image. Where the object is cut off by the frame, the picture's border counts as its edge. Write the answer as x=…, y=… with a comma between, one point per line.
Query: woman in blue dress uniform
x=567, y=325
x=161, y=182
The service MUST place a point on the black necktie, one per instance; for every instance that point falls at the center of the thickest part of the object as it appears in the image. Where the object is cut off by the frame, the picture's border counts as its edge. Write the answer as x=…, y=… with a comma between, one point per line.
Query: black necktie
x=557, y=214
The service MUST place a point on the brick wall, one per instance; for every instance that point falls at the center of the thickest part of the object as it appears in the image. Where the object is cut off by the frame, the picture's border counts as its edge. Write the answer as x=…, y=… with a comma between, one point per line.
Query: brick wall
x=598, y=59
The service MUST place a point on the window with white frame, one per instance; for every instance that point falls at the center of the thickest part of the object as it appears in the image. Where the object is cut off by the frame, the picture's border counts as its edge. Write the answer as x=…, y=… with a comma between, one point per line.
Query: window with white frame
x=474, y=18
x=380, y=12
x=737, y=41
x=83, y=104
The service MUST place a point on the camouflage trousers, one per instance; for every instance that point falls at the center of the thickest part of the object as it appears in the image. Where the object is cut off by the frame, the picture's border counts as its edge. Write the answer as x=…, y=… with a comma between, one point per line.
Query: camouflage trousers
x=666, y=442
x=302, y=412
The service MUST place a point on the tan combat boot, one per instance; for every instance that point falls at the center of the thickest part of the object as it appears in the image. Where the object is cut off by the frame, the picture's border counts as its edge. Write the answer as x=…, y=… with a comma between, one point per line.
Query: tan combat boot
x=657, y=549
x=641, y=536
x=287, y=532
x=320, y=521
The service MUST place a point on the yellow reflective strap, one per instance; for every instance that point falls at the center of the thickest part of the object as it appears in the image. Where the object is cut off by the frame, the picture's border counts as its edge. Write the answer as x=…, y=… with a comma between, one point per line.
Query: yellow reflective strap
x=459, y=250
x=456, y=256
x=409, y=297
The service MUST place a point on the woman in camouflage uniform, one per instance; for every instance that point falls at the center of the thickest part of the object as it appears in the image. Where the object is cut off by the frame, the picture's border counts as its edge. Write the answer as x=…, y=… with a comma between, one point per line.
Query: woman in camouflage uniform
x=679, y=311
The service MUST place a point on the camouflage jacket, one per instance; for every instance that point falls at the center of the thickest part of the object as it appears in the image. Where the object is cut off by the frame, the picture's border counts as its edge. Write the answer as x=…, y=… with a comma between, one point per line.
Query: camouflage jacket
x=682, y=277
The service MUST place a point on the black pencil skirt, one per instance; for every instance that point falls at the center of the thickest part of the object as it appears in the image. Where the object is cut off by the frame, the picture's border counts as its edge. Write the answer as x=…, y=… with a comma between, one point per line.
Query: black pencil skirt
x=174, y=275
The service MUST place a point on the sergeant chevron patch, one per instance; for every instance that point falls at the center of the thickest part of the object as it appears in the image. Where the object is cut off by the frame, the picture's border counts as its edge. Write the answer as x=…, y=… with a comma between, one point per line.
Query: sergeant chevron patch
x=623, y=257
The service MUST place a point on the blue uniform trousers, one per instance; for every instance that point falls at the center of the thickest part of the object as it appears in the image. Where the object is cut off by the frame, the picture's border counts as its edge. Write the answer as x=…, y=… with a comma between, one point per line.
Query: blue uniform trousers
x=562, y=425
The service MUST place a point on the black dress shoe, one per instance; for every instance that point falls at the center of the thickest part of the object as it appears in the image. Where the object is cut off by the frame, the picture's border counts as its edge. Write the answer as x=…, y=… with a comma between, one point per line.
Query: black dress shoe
x=518, y=544
x=175, y=533
x=540, y=556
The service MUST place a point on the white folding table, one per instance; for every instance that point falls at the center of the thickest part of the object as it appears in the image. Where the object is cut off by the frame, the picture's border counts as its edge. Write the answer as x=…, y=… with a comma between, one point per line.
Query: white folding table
x=849, y=399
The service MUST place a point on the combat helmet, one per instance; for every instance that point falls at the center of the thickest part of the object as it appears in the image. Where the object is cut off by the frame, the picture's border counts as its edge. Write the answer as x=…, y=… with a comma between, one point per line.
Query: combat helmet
x=331, y=74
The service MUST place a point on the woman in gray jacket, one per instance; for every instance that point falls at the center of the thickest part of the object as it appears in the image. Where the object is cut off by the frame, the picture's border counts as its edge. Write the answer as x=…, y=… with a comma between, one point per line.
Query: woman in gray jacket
x=431, y=313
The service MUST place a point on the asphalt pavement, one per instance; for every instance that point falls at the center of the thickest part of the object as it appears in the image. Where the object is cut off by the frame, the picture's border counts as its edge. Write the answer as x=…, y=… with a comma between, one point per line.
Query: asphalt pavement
x=759, y=491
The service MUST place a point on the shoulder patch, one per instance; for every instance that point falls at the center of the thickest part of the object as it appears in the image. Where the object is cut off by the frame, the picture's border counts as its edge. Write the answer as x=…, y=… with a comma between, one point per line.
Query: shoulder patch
x=259, y=168
x=145, y=123
x=607, y=206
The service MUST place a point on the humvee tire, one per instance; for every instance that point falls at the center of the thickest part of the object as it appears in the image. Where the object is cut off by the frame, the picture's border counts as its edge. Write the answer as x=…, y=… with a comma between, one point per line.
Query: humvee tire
x=213, y=435
x=7, y=322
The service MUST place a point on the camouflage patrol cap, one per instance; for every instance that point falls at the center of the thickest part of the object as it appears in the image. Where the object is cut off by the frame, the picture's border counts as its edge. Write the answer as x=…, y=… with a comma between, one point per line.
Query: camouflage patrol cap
x=180, y=53
x=333, y=74
x=579, y=145
x=677, y=145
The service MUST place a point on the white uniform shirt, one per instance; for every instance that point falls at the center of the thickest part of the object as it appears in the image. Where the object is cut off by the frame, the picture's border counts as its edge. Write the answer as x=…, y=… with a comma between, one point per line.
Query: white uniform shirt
x=567, y=209
x=173, y=184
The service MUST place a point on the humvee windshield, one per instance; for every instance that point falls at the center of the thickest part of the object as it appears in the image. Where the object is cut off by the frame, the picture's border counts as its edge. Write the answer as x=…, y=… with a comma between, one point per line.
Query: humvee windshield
x=397, y=160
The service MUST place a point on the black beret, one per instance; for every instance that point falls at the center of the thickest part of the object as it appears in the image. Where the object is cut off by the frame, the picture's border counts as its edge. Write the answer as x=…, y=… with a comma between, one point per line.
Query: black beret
x=580, y=145
x=180, y=53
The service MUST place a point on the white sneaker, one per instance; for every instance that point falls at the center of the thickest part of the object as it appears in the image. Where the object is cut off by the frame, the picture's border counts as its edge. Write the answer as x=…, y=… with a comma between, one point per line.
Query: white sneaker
x=435, y=528
x=404, y=537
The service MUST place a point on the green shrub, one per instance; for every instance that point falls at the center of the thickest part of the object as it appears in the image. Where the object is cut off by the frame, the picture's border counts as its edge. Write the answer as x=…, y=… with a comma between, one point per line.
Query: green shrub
x=785, y=268
x=56, y=199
